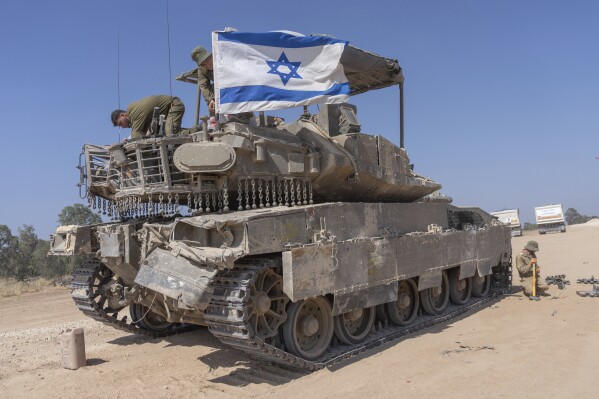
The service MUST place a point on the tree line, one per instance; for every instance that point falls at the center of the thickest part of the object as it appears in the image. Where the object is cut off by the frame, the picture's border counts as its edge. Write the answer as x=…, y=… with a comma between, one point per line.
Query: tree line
x=573, y=217
x=24, y=254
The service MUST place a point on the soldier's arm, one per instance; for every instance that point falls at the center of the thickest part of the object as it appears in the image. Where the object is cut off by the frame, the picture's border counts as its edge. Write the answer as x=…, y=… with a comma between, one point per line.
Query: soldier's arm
x=140, y=114
x=523, y=265
x=137, y=125
x=205, y=86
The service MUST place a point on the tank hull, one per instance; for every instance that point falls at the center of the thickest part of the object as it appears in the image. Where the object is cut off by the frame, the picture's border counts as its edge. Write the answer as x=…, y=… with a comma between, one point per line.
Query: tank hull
x=333, y=248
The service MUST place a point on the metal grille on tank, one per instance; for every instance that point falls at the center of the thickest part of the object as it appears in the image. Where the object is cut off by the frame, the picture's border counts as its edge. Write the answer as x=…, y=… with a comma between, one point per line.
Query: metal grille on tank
x=267, y=191
x=100, y=173
x=252, y=193
x=155, y=161
x=146, y=183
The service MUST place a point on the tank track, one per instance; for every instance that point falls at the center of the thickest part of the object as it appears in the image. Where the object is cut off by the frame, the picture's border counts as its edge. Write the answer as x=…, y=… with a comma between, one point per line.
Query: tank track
x=228, y=313
x=82, y=294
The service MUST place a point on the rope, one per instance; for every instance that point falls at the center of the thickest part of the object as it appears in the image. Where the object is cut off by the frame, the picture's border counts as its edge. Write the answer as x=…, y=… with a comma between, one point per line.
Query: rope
x=147, y=311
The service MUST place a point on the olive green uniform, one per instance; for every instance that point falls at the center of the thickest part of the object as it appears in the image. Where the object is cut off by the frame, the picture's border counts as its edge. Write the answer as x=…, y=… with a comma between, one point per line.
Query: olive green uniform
x=524, y=267
x=205, y=80
x=140, y=114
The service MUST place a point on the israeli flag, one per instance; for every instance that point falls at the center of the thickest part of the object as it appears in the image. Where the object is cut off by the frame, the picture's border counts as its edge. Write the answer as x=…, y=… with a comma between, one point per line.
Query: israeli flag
x=274, y=70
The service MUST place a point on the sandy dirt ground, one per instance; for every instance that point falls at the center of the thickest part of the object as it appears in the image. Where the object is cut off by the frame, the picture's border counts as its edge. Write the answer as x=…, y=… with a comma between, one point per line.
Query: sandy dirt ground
x=511, y=348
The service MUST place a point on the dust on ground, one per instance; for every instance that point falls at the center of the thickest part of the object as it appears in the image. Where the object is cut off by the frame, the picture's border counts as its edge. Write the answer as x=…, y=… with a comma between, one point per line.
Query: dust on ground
x=512, y=348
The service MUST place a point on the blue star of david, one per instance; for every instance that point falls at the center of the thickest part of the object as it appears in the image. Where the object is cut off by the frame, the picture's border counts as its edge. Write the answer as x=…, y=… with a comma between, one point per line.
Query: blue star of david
x=283, y=61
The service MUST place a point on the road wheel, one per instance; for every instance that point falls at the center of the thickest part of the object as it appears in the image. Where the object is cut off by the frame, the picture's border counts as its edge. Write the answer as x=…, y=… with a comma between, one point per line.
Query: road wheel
x=353, y=327
x=434, y=300
x=481, y=285
x=404, y=311
x=459, y=290
x=308, y=331
x=148, y=320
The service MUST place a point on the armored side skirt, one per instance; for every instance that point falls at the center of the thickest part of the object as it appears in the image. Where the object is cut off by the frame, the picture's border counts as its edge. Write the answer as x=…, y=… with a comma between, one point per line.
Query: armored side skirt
x=354, y=251
x=361, y=273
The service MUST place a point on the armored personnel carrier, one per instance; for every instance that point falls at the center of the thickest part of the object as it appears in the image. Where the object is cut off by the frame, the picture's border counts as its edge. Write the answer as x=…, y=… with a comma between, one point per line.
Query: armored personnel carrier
x=301, y=243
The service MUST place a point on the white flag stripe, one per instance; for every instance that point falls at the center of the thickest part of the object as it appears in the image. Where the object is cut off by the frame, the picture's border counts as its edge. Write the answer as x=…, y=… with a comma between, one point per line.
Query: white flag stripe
x=253, y=58
x=252, y=77
x=248, y=106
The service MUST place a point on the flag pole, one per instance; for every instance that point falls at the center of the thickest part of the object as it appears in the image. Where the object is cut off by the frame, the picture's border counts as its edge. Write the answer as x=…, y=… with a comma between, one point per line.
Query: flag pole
x=198, y=100
x=306, y=114
x=401, y=131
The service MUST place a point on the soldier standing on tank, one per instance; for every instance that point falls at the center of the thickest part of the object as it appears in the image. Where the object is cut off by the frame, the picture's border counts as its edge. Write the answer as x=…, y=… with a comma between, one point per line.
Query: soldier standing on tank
x=525, y=270
x=203, y=58
x=138, y=115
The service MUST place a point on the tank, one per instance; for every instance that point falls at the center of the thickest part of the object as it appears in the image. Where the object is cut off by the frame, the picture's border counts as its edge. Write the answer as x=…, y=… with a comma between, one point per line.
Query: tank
x=300, y=243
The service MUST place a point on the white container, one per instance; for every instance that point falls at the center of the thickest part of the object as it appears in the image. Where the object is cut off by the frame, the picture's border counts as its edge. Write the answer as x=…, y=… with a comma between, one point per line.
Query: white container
x=72, y=348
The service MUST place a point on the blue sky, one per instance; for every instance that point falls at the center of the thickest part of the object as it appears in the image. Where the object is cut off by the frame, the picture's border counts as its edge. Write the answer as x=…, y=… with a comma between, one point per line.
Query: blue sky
x=501, y=96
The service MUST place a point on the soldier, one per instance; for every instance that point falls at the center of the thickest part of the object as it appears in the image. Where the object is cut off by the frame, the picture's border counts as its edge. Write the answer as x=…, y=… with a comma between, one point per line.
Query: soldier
x=203, y=58
x=139, y=115
x=523, y=264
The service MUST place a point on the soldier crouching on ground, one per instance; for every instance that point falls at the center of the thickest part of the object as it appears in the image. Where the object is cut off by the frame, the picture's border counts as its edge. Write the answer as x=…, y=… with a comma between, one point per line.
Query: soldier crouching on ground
x=138, y=116
x=524, y=266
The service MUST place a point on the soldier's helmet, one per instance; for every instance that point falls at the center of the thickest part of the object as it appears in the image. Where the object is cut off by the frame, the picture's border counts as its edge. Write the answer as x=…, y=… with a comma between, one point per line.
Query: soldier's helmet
x=532, y=246
x=200, y=54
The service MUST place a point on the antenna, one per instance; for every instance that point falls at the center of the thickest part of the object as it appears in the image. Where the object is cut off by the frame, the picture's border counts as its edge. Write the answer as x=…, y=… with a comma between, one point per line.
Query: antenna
x=118, y=70
x=401, y=131
x=168, y=39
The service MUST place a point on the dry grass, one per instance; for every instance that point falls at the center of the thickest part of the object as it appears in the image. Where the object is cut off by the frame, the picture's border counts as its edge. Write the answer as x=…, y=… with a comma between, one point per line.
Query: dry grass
x=12, y=287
